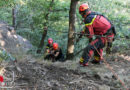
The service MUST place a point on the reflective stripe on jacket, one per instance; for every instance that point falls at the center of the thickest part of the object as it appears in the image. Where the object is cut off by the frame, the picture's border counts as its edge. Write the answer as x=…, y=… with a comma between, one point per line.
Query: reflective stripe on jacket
x=96, y=24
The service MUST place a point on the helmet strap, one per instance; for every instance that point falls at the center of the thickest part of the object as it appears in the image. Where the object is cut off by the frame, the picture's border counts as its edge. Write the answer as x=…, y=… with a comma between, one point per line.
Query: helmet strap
x=85, y=13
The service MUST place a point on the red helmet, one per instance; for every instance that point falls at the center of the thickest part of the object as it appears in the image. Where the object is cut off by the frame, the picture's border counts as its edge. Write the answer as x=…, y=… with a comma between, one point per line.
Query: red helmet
x=83, y=9
x=55, y=46
x=50, y=40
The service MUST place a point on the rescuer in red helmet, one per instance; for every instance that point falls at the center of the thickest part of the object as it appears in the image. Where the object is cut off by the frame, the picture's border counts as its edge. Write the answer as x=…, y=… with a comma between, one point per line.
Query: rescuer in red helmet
x=98, y=25
x=58, y=55
x=54, y=53
x=49, y=49
x=49, y=45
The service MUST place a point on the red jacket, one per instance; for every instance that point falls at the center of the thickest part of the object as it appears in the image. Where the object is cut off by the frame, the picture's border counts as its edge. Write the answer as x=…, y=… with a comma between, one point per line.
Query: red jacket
x=96, y=24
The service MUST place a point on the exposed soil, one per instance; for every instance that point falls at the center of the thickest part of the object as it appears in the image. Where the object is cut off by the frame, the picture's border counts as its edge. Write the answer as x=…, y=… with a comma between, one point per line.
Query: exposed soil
x=44, y=75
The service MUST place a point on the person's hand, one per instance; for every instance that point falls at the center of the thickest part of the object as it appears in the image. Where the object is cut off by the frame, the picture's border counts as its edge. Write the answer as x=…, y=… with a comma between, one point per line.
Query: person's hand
x=48, y=51
x=90, y=40
x=80, y=34
x=52, y=51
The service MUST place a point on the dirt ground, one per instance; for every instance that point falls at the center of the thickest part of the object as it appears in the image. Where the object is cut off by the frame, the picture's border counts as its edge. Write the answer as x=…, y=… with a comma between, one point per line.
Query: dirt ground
x=43, y=75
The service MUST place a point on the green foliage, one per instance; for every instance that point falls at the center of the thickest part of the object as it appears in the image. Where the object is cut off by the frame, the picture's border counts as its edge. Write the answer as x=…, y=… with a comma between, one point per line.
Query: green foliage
x=32, y=36
x=5, y=56
x=5, y=3
x=37, y=17
x=5, y=16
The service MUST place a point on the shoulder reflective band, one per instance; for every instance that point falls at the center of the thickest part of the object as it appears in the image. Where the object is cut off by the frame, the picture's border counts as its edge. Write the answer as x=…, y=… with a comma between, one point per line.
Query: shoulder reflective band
x=91, y=21
x=83, y=31
x=81, y=60
x=97, y=58
x=47, y=47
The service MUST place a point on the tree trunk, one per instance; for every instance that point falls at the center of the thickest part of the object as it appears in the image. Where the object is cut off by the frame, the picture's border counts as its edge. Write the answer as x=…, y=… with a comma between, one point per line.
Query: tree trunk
x=45, y=29
x=72, y=13
x=14, y=17
x=42, y=40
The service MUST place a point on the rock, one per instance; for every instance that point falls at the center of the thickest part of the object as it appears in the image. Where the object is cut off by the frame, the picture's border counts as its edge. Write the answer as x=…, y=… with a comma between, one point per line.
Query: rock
x=97, y=76
x=113, y=77
x=104, y=87
x=11, y=42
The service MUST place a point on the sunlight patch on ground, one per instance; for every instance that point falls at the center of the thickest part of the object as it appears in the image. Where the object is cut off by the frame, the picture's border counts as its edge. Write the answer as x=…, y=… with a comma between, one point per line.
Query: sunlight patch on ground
x=2, y=71
x=2, y=43
x=125, y=57
x=9, y=34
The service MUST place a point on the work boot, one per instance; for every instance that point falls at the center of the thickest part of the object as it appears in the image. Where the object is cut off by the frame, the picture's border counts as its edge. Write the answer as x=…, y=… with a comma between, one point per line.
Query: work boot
x=86, y=64
x=81, y=62
x=95, y=62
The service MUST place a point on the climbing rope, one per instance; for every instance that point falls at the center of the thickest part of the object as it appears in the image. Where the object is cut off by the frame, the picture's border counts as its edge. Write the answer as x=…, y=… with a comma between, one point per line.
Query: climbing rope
x=77, y=33
x=109, y=67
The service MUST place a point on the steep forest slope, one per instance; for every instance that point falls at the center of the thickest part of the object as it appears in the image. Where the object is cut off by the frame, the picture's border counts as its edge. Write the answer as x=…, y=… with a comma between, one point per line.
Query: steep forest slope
x=45, y=75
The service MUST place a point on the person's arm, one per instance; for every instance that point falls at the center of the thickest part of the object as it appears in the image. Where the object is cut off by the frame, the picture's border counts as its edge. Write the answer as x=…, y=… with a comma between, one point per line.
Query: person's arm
x=56, y=54
x=47, y=49
x=89, y=31
x=80, y=35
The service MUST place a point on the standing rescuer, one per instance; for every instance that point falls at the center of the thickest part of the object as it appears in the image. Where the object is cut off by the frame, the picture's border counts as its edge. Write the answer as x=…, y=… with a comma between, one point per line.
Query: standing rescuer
x=98, y=25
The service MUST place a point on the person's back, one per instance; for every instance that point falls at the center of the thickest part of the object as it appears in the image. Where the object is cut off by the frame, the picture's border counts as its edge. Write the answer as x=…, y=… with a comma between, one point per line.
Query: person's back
x=100, y=24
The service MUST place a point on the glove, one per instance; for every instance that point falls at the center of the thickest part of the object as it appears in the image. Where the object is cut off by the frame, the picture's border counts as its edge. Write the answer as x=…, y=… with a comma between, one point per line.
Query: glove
x=81, y=34
x=90, y=40
x=81, y=62
x=48, y=51
x=86, y=64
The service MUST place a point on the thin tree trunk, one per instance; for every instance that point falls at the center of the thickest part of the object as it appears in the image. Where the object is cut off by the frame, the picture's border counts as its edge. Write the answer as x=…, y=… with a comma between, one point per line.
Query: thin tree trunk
x=45, y=25
x=72, y=14
x=42, y=40
x=14, y=17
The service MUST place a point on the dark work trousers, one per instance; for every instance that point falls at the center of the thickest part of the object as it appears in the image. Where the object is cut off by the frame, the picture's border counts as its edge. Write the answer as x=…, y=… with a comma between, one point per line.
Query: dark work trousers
x=97, y=44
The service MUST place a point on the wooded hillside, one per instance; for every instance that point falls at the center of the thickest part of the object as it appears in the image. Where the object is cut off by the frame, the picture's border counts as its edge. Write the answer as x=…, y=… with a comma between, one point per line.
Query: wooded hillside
x=26, y=25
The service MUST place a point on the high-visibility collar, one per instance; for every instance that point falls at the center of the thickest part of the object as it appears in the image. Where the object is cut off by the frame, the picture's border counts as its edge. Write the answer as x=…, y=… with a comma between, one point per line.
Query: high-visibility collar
x=91, y=21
